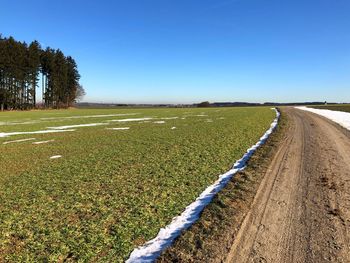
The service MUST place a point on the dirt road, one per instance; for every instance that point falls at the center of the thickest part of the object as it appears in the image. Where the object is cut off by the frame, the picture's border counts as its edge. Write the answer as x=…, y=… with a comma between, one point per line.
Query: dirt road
x=301, y=212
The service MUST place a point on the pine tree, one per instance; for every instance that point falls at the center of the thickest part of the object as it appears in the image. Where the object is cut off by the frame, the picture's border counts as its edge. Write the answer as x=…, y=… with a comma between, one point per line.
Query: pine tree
x=20, y=66
x=72, y=81
x=34, y=52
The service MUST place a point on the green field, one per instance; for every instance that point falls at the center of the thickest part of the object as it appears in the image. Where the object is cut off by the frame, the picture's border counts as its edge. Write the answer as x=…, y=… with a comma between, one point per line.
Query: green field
x=345, y=107
x=112, y=189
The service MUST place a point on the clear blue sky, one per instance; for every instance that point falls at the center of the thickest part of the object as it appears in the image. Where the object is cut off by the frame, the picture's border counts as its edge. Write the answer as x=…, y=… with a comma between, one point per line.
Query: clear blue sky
x=194, y=50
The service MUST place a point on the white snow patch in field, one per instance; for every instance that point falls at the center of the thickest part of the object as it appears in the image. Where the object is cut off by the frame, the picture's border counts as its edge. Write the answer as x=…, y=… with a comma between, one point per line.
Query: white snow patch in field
x=119, y=128
x=17, y=123
x=173, y=128
x=42, y=142
x=55, y=156
x=340, y=117
x=132, y=119
x=77, y=126
x=90, y=116
x=7, y=134
x=159, y=122
x=153, y=248
x=169, y=118
x=21, y=140
x=200, y=115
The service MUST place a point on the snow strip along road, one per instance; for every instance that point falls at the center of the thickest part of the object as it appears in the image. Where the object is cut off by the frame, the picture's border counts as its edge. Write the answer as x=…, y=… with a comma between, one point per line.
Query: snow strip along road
x=340, y=117
x=153, y=248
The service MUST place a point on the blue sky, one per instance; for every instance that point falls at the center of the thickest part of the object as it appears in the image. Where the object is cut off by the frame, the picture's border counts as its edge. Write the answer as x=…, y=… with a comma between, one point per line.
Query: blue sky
x=181, y=51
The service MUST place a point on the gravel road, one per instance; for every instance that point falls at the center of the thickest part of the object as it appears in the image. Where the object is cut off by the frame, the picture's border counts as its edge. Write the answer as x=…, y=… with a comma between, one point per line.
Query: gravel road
x=301, y=212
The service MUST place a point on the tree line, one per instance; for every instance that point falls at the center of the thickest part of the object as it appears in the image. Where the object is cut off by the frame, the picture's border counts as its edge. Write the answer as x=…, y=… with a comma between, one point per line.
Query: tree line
x=22, y=65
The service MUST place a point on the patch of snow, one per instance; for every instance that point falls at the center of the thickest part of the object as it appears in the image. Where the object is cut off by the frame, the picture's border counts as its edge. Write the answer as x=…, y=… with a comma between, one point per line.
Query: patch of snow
x=42, y=142
x=340, y=117
x=89, y=116
x=153, y=248
x=17, y=123
x=7, y=134
x=173, y=128
x=132, y=119
x=77, y=126
x=55, y=156
x=169, y=118
x=119, y=128
x=159, y=122
x=21, y=140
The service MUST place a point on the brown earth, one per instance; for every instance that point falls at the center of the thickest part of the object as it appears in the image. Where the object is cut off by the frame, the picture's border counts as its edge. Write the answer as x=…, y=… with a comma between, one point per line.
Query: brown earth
x=301, y=212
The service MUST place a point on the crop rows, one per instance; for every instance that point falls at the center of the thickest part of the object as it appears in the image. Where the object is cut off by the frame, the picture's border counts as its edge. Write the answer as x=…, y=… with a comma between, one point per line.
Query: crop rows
x=112, y=189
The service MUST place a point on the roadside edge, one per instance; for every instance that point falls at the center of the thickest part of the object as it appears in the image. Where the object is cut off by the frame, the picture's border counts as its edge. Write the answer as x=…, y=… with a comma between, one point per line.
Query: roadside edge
x=211, y=237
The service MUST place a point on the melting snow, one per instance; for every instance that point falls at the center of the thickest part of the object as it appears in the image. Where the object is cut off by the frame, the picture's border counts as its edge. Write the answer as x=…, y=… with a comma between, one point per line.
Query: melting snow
x=173, y=128
x=159, y=122
x=18, y=123
x=77, y=126
x=152, y=249
x=21, y=140
x=340, y=117
x=89, y=116
x=132, y=119
x=7, y=134
x=169, y=118
x=42, y=142
x=55, y=156
x=119, y=128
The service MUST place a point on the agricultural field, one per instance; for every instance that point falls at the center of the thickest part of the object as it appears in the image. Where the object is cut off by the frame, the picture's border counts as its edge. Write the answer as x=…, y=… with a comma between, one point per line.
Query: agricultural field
x=92, y=184
x=345, y=107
